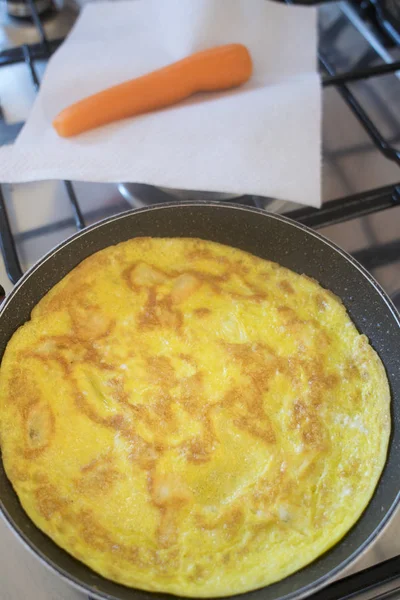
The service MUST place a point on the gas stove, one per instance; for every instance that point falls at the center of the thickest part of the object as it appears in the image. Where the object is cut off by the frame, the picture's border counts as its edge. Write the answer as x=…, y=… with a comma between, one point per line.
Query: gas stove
x=360, y=66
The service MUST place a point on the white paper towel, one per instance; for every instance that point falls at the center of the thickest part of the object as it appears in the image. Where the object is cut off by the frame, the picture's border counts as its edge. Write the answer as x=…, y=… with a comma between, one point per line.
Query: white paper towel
x=262, y=138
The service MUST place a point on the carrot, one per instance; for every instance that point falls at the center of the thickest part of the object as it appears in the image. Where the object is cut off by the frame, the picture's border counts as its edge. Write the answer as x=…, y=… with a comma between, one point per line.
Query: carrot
x=215, y=69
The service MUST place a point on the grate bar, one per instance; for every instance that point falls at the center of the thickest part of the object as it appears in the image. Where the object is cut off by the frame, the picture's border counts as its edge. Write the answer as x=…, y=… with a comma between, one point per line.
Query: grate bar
x=375, y=579
x=357, y=74
x=7, y=244
x=367, y=34
x=379, y=141
x=78, y=216
x=68, y=223
x=28, y=60
x=11, y=56
x=76, y=209
x=351, y=207
x=380, y=255
x=39, y=26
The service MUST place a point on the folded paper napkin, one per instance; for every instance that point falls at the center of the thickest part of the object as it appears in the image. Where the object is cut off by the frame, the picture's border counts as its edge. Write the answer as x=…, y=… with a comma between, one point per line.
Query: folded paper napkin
x=262, y=138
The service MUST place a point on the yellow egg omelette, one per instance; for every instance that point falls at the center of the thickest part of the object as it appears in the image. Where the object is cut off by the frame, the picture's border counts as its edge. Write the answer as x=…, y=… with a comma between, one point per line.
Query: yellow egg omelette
x=184, y=417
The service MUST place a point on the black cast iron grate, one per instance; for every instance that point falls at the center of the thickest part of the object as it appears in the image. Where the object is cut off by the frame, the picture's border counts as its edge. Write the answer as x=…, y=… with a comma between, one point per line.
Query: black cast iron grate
x=333, y=212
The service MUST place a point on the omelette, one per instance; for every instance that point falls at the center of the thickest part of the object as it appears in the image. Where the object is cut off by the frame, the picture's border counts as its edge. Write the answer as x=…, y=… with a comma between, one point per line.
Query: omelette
x=184, y=417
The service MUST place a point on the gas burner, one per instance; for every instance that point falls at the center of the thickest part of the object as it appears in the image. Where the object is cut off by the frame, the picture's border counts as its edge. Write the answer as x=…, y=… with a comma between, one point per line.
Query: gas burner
x=18, y=28
x=21, y=9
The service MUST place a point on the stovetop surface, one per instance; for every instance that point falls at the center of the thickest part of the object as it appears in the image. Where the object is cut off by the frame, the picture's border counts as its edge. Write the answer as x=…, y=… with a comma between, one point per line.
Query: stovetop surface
x=40, y=213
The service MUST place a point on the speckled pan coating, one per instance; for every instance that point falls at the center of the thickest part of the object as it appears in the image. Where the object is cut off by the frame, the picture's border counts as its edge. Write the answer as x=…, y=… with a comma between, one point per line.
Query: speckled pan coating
x=271, y=237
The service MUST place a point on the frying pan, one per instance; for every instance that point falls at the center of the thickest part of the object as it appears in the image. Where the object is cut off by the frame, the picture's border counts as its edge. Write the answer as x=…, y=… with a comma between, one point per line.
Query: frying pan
x=271, y=237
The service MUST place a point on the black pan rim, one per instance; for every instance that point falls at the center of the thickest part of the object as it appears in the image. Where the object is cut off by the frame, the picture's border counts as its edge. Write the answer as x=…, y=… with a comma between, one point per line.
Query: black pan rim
x=319, y=583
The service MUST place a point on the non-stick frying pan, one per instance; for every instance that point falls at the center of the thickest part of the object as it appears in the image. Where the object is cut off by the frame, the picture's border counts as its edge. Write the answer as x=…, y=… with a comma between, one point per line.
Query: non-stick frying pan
x=268, y=236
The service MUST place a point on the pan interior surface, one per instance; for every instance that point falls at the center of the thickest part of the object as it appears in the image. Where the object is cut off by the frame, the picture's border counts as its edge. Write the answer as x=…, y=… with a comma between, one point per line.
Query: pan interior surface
x=234, y=342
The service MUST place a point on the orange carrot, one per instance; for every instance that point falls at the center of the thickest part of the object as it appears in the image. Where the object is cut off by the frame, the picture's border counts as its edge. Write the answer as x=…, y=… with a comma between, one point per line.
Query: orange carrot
x=218, y=68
